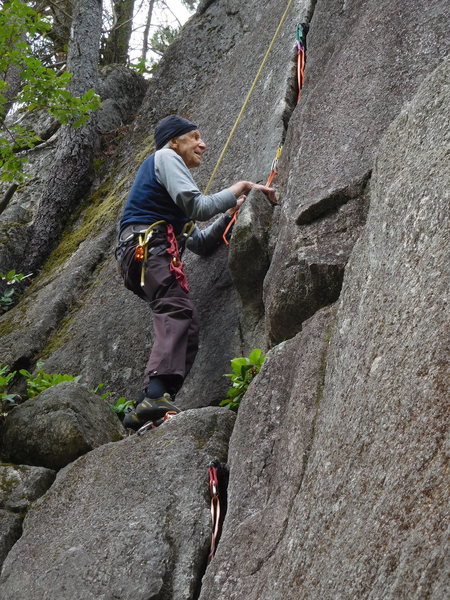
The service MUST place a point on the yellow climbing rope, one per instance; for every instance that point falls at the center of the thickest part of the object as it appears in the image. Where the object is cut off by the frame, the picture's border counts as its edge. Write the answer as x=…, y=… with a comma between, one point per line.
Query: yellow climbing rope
x=250, y=92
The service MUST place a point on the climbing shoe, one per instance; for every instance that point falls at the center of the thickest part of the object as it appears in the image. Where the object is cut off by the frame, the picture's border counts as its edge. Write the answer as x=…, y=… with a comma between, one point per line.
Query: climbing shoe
x=132, y=421
x=152, y=409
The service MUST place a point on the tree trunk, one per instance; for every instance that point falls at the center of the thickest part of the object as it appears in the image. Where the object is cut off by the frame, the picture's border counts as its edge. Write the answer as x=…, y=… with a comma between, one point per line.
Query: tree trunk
x=61, y=12
x=15, y=83
x=72, y=172
x=147, y=30
x=117, y=44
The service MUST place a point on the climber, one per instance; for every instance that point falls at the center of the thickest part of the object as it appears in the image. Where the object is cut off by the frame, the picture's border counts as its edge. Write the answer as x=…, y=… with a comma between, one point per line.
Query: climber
x=156, y=225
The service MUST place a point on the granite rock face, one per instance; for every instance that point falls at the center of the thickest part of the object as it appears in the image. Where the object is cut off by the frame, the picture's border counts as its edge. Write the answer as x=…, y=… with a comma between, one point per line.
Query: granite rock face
x=350, y=500
x=122, y=91
x=132, y=518
x=365, y=59
x=249, y=261
x=338, y=485
x=56, y=427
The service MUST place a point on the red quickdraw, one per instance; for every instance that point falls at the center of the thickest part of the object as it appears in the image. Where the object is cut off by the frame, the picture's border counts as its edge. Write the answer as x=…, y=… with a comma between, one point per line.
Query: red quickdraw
x=229, y=226
x=273, y=172
x=215, y=507
x=274, y=167
x=300, y=45
x=176, y=266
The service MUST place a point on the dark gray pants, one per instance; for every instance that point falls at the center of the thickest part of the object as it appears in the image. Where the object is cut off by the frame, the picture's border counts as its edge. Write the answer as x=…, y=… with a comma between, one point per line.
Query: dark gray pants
x=175, y=318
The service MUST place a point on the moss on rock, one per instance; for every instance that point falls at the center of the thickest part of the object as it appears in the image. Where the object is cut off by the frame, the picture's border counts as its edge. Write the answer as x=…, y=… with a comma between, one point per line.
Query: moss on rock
x=148, y=148
x=60, y=337
x=10, y=321
x=102, y=208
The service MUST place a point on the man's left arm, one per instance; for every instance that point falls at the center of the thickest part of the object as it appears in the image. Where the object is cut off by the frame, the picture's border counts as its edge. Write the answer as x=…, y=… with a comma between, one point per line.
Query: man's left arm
x=205, y=241
x=173, y=174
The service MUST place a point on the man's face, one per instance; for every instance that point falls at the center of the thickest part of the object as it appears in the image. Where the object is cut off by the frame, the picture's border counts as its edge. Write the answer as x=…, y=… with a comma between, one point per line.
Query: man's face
x=190, y=147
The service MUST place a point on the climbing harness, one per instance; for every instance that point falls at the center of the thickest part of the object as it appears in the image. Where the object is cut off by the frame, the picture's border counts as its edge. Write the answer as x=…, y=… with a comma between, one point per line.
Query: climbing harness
x=141, y=251
x=300, y=44
x=213, y=473
x=176, y=266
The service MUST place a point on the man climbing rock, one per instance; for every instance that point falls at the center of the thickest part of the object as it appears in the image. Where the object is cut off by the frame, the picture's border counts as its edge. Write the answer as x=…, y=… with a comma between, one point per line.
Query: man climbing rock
x=156, y=225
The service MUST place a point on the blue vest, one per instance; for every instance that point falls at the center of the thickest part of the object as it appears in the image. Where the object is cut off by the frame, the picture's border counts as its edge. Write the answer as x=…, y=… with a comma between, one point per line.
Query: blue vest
x=149, y=201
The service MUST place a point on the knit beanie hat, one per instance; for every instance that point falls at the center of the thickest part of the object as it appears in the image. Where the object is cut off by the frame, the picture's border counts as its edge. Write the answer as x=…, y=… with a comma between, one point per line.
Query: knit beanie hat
x=170, y=127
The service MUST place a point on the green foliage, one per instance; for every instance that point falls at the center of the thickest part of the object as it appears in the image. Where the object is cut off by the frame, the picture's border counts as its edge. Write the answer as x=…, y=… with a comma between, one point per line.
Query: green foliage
x=244, y=370
x=121, y=406
x=11, y=278
x=140, y=66
x=190, y=4
x=162, y=38
x=7, y=401
x=43, y=88
x=40, y=381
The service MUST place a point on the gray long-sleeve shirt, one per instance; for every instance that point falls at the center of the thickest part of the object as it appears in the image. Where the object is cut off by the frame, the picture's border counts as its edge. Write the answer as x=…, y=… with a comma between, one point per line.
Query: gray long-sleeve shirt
x=172, y=173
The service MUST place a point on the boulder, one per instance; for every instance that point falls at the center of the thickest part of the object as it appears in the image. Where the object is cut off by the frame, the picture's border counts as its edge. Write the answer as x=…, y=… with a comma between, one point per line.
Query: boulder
x=20, y=485
x=132, y=518
x=10, y=530
x=122, y=91
x=349, y=500
x=56, y=427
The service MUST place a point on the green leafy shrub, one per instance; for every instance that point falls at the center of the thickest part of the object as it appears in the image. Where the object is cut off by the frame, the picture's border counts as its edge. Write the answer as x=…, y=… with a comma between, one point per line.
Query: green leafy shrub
x=244, y=370
x=40, y=381
x=122, y=405
x=7, y=401
x=11, y=278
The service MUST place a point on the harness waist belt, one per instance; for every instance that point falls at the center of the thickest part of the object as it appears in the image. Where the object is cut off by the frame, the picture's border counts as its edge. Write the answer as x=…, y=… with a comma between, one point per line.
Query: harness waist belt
x=135, y=229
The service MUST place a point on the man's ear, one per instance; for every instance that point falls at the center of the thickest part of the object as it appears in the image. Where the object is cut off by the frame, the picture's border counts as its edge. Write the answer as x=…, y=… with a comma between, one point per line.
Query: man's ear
x=173, y=144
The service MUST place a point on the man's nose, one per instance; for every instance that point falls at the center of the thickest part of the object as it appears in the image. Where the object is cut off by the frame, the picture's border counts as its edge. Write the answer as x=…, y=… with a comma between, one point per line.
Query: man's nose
x=201, y=144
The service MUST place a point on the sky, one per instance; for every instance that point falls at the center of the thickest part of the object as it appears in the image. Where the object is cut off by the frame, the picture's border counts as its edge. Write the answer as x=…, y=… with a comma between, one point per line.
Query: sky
x=176, y=12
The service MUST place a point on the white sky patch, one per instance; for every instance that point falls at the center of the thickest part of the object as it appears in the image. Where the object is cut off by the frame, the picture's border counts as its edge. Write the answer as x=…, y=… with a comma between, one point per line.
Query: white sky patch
x=169, y=12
